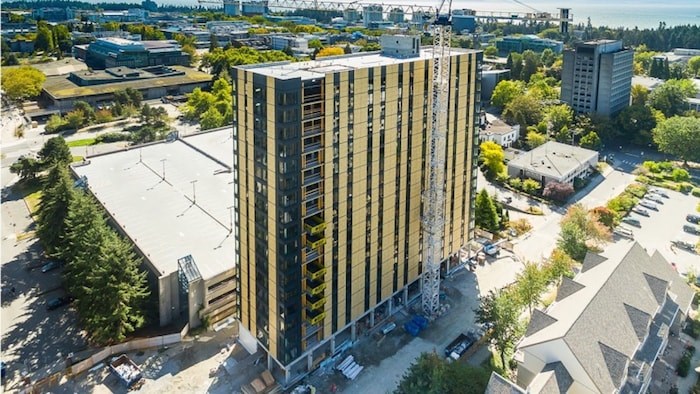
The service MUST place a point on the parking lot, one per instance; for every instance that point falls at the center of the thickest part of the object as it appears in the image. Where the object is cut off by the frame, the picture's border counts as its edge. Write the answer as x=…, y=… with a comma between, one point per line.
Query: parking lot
x=33, y=338
x=664, y=225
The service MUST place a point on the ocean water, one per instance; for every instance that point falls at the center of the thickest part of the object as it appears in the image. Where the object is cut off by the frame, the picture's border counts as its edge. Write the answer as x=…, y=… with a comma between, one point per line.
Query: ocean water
x=612, y=13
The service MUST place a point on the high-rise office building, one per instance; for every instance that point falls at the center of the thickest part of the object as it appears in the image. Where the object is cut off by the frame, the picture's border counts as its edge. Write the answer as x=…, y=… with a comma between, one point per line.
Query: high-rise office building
x=330, y=164
x=597, y=77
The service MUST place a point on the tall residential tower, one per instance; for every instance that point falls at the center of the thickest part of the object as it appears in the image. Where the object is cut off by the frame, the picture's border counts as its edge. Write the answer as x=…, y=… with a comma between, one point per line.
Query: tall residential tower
x=330, y=162
x=597, y=77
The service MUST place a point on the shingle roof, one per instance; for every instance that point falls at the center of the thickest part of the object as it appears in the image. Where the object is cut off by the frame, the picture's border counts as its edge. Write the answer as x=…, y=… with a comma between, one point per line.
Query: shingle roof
x=558, y=380
x=567, y=288
x=538, y=321
x=500, y=385
x=591, y=260
x=602, y=322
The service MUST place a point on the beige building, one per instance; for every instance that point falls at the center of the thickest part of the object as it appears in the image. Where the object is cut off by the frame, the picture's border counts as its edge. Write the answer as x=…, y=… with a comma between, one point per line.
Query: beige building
x=330, y=164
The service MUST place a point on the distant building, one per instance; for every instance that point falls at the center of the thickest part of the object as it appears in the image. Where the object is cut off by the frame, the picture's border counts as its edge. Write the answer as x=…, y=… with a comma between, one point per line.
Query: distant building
x=130, y=15
x=98, y=86
x=251, y=7
x=257, y=43
x=53, y=14
x=114, y=52
x=554, y=161
x=294, y=43
x=371, y=14
x=597, y=77
x=463, y=21
x=606, y=329
x=498, y=131
x=652, y=83
x=519, y=44
x=351, y=15
x=396, y=15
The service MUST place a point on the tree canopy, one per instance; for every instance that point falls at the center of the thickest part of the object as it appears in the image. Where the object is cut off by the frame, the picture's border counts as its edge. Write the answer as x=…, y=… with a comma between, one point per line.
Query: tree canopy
x=431, y=374
x=485, y=213
x=670, y=97
x=22, y=82
x=491, y=154
x=221, y=60
x=499, y=309
x=679, y=136
x=506, y=91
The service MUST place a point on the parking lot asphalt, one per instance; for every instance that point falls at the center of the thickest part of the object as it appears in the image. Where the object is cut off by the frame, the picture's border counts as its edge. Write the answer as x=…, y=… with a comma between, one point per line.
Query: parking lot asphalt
x=34, y=340
x=665, y=225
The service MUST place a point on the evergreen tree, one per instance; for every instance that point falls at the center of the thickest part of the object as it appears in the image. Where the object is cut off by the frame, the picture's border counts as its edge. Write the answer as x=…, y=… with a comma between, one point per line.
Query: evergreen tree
x=55, y=152
x=86, y=230
x=485, y=213
x=117, y=288
x=53, y=208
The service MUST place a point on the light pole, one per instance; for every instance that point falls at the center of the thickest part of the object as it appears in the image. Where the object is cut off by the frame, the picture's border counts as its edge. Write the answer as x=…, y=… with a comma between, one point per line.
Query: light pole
x=163, y=161
x=230, y=212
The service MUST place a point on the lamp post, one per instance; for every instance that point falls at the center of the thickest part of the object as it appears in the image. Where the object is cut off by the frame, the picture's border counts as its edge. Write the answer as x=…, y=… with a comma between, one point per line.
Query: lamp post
x=163, y=161
x=194, y=192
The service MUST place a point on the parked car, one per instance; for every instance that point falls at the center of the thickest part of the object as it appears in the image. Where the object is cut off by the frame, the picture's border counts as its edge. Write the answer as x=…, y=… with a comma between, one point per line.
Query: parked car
x=693, y=218
x=492, y=250
x=691, y=229
x=57, y=302
x=648, y=204
x=640, y=211
x=659, y=192
x=50, y=266
x=632, y=221
x=624, y=232
x=653, y=198
x=683, y=245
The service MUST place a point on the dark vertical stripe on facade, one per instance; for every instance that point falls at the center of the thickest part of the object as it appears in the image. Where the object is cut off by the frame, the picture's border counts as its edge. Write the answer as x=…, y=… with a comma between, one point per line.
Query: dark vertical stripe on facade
x=334, y=240
x=380, y=197
x=348, y=251
x=397, y=194
x=368, y=189
x=409, y=131
x=455, y=137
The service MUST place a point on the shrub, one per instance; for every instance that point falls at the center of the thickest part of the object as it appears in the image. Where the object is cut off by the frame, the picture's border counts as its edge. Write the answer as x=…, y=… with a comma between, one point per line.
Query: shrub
x=558, y=191
x=636, y=189
x=516, y=183
x=651, y=166
x=111, y=137
x=103, y=116
x=685, y=187
x=622, y=203
x=643, y=179
x=696, y=191
x=531, y=186
x=666, y=166
x=605, y=216
x=521, y=226
x=56, y=124
x=671, y=186
x=684, y=365
x=680, y=175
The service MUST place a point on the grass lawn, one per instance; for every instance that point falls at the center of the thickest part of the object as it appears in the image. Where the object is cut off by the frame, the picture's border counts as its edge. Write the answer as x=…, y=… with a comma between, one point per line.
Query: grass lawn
x=31, y=193
x=493, y=363
x=78, y=158
x=83, y=142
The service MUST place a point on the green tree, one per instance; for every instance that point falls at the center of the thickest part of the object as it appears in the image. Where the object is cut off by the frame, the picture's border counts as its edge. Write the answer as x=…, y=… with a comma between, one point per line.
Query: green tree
x=679, y=136
x=485, y=213
x=211, y=119
x=578, y=228
x=530, y=284
x=55, y=152
x=558, y=265
x=75, y=119
x=87, y=109
x=118, y=288
x=640, y=94
x=572, y=241
x=559, y=116
x=531, y=61
x=514, y=63
x=491, y=154
x=547, y=57
x=491, y=51
x=694, y=66
x=635, y=124
x=535, y=139
x=499, y=309
x=22, y=82
x=57, y=193
x=26, y=168
x=44, y=38
x=524, y=110
x=431, y=374
x=670, y=97
x=590, y=141
x=505, y=92
x=330, y=51
x=531, y=186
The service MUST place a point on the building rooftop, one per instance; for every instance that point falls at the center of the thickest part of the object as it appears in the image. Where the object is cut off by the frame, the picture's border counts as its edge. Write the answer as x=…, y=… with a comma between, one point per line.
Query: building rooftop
x=494, y=125
x=333, y=64
x=553, y=159
x=619, y=298
x=60, y=87
x=159, y=215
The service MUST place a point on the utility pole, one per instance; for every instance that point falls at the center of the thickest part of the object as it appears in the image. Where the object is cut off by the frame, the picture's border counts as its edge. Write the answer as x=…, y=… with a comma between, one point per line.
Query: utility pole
x=194, y=192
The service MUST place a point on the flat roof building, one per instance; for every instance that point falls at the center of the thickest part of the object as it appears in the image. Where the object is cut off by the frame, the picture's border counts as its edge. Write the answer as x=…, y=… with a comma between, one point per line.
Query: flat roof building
x=597, y=77
x=330, y=161
x=111, y=52
x=98, y=86
x=519, y=44
x=169, y=198
x=554, y=161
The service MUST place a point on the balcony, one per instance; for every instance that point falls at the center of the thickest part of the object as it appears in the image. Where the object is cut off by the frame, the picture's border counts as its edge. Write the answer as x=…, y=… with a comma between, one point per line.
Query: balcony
x=310, y=255
x=312, y=131
x=315, y=318
x=315, y=287
x=315, y=303
x=311, y=179
x=309, y=329
x=311, y=194
x=311, y=161
x=312, y=147
x=311, y=208
x=315, y=272
x=315, y=242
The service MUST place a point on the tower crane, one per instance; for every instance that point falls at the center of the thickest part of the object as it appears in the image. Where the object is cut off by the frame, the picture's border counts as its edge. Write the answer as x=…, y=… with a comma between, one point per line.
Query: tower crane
x=434, y=195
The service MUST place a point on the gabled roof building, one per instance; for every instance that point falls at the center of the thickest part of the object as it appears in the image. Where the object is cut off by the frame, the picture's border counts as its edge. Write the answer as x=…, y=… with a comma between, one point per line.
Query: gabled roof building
x=607, y=326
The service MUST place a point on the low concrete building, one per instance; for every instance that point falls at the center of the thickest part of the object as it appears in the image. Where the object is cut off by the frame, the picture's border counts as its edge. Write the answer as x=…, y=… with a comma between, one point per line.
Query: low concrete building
x=98, y=86
x=111, y=52
x=606, y=328
x=493, y=129
x=167, y=199
x=554, y=161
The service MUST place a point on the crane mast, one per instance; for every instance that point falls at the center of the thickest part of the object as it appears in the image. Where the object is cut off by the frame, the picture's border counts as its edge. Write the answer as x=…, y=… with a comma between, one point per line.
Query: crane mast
x=434, y=194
